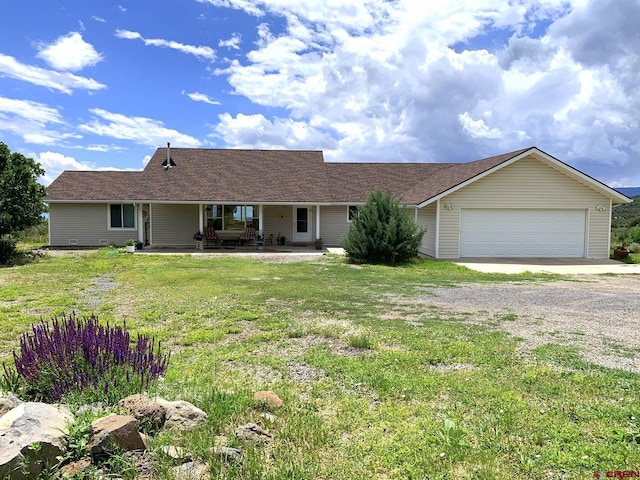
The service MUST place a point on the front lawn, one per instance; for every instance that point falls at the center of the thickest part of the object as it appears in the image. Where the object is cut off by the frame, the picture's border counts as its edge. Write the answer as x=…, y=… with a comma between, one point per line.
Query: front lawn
x=373, y=387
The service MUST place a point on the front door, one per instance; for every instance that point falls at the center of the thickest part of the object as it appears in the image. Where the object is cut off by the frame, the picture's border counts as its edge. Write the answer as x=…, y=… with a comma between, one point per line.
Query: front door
x=302, y=226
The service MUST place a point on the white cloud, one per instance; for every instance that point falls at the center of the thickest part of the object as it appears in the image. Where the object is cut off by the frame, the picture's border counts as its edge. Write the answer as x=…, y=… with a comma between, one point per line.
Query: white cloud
x=201, y=97
x=61, y=81
x=98, y=19
x=447, y=81
x=32, y=122
x=55, y=163
x=69, y=52
x=144, y=131
x=231, y=43
x=199, y=51
x=255, y=131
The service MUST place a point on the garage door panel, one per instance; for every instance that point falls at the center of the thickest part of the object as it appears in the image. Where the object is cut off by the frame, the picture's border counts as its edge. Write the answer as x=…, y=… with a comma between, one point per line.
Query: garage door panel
x=522, y=233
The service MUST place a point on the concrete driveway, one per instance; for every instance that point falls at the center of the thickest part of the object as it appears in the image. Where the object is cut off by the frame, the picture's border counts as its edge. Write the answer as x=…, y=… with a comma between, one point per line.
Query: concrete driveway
x=564, y=266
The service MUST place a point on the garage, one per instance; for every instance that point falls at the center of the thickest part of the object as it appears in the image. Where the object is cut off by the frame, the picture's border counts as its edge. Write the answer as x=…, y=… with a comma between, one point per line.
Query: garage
x=522, y=233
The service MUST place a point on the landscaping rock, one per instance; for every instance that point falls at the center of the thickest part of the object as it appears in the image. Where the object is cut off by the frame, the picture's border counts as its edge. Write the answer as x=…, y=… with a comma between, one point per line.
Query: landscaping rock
x=253, y=433
x=177, y=455
x=115, y=432
x=149, y=414
x=228, y=454
x=190, y=471
x=269, y=398
x=8, y=402
x=181, y=415
x=74, y=468
x=144, y=462
x=25, y=426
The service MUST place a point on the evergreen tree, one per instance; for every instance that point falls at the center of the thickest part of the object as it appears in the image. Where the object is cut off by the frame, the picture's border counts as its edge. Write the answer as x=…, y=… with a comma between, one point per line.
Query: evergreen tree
x=382, y=231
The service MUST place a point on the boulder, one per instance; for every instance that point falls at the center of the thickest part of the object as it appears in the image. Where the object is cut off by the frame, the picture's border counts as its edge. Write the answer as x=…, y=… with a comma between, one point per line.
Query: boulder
x=32, y=434
x=181, y=415
x=8, y=402
x=115, y=432
x=150, y=415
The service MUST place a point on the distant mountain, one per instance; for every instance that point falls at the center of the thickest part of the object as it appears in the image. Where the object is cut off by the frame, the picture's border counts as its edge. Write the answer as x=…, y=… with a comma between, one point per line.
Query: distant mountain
x=629, y=191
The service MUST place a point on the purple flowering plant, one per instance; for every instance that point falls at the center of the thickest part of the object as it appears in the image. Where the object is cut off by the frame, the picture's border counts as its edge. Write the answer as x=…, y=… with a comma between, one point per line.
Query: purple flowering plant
x=79, y=358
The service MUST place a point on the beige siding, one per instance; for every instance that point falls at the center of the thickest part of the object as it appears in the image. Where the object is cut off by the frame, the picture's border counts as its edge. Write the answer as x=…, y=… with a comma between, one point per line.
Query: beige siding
x=427, y=218
x=84, y=225
x=173, y=225
x=527, y=183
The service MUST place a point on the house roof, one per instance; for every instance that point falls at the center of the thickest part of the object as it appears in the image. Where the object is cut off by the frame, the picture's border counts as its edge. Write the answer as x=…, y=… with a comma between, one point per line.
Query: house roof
x=280, y=176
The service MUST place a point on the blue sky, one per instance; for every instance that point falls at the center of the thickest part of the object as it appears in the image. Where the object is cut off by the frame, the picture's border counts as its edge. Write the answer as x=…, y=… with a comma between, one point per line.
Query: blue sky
x=101, y=85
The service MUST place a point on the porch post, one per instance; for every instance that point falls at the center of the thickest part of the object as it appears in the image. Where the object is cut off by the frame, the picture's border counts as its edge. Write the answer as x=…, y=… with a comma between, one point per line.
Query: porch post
x=260, y=218
x=318, y=222
x=140, y=222
x=200, y=218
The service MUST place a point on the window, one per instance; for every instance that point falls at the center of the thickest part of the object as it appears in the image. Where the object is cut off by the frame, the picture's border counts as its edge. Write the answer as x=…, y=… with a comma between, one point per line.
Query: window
x=122, y=215
x=231, y=217
x=351, y=212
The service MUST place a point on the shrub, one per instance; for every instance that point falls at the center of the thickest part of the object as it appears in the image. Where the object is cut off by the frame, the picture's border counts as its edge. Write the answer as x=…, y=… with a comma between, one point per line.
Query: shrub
x=81, y=360
x=7, y=250
x=634, y=247
x=382, y=231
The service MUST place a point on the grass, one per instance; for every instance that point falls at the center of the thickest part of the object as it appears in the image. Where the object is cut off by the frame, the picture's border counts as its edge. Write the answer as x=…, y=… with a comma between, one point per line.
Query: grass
x=360, y=365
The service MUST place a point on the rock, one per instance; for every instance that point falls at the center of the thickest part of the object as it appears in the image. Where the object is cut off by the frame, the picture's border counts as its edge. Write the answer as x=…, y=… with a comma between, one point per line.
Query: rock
x=115, y=432
x=150, y=415
x=72, y=469
x=33, y=433
x=269, y=398
x=144, y=462
x=8, y=402
x=253, y=433
x=270, y=417
x=228, y=453
x=178, y=455
x=181, y=415
x=190, y=471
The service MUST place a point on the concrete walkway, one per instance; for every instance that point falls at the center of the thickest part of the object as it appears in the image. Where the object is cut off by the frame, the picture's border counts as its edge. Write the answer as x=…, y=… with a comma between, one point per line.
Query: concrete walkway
x=563, y=266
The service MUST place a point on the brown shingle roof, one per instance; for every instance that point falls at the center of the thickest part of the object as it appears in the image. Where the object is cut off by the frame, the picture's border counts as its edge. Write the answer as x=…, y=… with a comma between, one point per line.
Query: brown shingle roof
x=265, y=176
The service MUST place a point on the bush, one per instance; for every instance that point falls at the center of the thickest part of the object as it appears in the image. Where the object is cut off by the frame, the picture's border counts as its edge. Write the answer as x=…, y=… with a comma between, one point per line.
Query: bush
x=80, y=360
x=634, y=247
x=7, y=250
x=382, y=231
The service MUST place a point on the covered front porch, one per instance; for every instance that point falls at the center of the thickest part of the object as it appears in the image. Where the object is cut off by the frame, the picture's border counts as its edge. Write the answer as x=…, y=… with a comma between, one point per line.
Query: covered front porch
x=174, y=224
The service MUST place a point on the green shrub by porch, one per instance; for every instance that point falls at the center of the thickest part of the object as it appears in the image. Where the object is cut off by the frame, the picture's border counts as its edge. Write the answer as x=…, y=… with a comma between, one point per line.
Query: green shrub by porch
x=382, y=232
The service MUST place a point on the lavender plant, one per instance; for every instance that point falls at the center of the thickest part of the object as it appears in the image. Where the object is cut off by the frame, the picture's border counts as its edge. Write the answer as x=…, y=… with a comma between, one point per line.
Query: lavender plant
x=78, y=358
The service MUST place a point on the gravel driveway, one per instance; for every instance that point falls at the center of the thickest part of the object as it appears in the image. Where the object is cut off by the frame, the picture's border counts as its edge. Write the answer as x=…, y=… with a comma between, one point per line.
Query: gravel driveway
x=598, y=314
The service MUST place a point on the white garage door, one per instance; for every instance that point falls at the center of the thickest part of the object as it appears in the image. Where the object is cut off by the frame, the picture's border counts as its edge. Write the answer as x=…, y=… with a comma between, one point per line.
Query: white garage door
x=522, y=233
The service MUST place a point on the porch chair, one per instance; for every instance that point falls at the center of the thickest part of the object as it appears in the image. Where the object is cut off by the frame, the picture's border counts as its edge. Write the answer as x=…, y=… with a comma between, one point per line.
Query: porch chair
x=248, y=235
x=211, y=236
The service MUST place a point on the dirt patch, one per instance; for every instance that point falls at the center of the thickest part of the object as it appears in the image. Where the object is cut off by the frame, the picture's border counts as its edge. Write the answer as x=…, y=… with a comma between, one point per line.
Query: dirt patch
x=598, y=314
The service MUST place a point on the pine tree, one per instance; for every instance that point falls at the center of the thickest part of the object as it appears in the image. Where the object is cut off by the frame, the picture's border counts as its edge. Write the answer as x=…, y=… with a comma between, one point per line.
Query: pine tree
x=382, y=231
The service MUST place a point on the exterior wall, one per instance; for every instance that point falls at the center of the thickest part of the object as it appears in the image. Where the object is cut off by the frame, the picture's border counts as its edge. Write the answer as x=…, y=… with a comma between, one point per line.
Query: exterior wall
x=527, y=183
x=173, y=225
x=427, y=218
x=84, y=225
x=334, y=224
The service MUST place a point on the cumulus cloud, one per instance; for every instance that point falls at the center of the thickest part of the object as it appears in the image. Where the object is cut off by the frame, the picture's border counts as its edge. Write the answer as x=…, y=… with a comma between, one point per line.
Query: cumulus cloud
x=453, y=81
x=199, y=51
x=144, y=131
x=69, y=52
x=64, y=82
